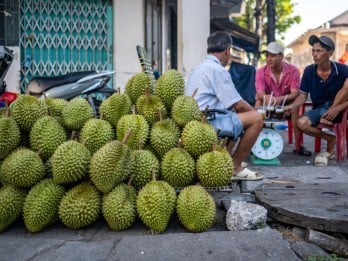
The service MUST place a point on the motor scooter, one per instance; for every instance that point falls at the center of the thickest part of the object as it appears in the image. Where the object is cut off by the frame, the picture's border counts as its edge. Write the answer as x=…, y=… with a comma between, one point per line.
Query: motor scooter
x=6, y=58
x=85, y=83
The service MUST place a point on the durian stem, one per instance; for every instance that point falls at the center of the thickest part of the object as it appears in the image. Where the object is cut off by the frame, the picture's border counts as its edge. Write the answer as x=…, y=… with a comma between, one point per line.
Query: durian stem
x=140, y=144
x=126, y=137
x=194, y=92
x=7, y=108
x=39, y=152
x=101, y=116
x=134, y=110
x=153, y=174
x=73, y=135
x=119, y=90
x=45, y=96
x=160, y=113
x=179, y=143
x=130, y=180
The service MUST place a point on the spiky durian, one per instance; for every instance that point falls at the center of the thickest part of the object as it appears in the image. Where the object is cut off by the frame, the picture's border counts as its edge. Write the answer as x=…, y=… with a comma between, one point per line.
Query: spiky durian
x=184, y=110
x=11, y=205
x=80, y=206
x=178, y=167
x=115, y=106
x=10, y=135
x=136, y=85
x=109, y=165
x=215, y=168
x=118, y=207
x=46, y=135
x=55, y=107
x=198, y=138
x=169, y=86
x=196, y=208
x=26, y=110
x=76, y=113
x=155, y=204
x=41, y=205
x=95, y=133
x=139, y=127
x=69, y=162
x=22, y=168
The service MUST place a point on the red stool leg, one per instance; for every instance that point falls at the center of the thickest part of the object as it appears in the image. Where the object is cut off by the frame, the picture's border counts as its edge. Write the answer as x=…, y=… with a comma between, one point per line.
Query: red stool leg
x=290, y=131
x=317, y=144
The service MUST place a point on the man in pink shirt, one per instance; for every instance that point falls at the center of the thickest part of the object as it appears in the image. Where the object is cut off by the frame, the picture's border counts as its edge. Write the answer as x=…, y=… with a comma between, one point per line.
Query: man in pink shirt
x=278, y=81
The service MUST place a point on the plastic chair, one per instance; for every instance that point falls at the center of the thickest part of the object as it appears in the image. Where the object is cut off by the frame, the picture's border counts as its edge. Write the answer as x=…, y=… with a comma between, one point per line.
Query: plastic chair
x=341, y=131
x=291, y=128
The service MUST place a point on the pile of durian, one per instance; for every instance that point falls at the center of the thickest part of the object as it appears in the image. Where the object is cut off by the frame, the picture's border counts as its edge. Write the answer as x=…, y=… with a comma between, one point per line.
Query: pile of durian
x=60, y=163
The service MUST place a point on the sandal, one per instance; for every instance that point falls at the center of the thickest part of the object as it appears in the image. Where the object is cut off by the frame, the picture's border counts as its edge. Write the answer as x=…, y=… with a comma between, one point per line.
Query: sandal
x=302, y=151
x=322, y=159
x=247, y=174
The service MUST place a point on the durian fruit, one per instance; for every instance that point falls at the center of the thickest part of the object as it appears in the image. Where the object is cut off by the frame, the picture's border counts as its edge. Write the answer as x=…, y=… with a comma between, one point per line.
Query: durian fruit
x=10, y=135
x=143, y=163
x=41, y=205
x=136, y=86
x=149, y=106
x=26, y=110
x=215, y=168
x=115, y=106
x=195, y=208
x=80, y=206
x=109, y=165
x=139, y=127
x=95, y=133
x=164, y=135
x=155, y=204
x=198, y=137
x=169, y=86
x=55, y=107
x=22, y=168
x=178, y=167
x=118, y=207
x=11, y=205
x=46, y=135
x=76, y=113
x=69, y=162
x=185, y=109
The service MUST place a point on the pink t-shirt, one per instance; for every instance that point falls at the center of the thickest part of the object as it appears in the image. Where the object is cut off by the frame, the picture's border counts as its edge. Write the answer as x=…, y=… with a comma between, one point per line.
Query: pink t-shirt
x=289, y=80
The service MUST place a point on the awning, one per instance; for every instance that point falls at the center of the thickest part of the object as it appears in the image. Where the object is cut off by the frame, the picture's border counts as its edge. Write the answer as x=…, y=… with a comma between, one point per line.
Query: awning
x=241, y=37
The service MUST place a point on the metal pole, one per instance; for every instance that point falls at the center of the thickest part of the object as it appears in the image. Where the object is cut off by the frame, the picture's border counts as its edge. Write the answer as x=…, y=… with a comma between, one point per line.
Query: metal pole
x=271, y=21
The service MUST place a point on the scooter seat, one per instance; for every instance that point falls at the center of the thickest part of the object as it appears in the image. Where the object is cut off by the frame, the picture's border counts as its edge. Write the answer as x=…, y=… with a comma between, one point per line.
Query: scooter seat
x=38, y=85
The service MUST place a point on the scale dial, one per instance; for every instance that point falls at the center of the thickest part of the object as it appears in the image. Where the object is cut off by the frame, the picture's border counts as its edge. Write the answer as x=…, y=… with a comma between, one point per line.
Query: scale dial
x=268, y=145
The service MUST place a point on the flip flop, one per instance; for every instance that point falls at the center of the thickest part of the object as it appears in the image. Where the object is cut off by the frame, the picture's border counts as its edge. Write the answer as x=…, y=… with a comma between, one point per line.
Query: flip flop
x=247, y=174
x=322, y=159
x=244, y=164
x=302, y=152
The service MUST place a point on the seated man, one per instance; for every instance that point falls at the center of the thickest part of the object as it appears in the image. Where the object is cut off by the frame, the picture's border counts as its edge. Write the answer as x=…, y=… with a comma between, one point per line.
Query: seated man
x=217, y=91
x=327, y=83
x=280, y=79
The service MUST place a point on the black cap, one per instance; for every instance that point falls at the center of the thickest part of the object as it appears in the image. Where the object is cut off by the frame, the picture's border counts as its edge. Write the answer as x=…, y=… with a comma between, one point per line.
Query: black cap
x=324, y=40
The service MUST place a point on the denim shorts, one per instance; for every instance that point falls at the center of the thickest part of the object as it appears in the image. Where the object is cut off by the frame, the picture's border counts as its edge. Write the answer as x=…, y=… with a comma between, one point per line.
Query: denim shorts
x=314, y=115
x=227, y=124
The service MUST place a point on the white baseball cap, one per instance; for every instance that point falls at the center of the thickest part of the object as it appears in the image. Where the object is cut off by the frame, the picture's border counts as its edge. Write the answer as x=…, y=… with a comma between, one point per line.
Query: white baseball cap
x=275, y=48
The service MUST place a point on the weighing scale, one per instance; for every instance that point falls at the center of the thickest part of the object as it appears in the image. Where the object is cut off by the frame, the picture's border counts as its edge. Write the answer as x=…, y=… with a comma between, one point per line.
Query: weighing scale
x=267, y=148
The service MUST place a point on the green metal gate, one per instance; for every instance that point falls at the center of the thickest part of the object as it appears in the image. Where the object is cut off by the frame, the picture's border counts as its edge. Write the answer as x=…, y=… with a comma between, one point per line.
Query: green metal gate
x=61, y=36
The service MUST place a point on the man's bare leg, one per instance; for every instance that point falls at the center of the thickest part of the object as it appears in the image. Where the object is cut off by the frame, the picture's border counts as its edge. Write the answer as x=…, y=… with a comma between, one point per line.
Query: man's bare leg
x=304, y=124
x=252, y=122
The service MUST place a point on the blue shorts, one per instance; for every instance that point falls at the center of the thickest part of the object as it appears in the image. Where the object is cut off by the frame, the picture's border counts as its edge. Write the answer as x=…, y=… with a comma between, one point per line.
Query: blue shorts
x=226, y=124
x=314, y=115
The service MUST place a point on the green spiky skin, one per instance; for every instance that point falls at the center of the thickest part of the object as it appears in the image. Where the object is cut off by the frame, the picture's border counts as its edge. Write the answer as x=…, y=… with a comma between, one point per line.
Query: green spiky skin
x=118, y=207
x=155, y=204
x=198, y=138
x=80, y=206
x=69, y=162
x=164, y=135
x=46, y=135
x=143, y=164
x=22, y=168
x=184, y=110
x=136, y=86
x=95, y=133
x=55, y=107
x=41, y=205
x=169, y=86
x=10, y=136
x=76, y=113
x=114, y=107
x=196, y=208
x=215, y=168
x=108, y=166
x=149, y=106
x=11, y=205
x=139, y=126
x=178, y=167
x=26, y=110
